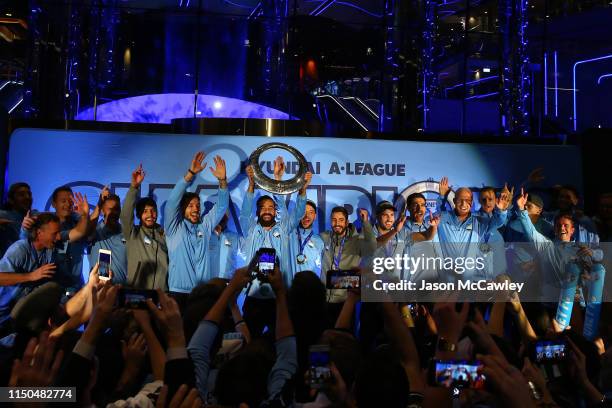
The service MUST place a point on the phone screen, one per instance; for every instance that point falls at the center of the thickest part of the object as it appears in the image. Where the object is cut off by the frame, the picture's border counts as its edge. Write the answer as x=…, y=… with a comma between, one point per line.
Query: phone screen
x=136, y=298
x=549, y=351
x=104, y=263
x=453, y=374
x=267, y=258
x=319, y=371
x=343, y=279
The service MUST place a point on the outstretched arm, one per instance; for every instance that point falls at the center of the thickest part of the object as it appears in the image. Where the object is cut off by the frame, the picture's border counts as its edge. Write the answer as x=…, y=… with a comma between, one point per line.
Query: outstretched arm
x=215, y=215
x=129, y=203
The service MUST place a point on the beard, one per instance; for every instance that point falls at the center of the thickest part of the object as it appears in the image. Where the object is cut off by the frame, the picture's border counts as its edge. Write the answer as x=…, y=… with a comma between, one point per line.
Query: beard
x=265, y=222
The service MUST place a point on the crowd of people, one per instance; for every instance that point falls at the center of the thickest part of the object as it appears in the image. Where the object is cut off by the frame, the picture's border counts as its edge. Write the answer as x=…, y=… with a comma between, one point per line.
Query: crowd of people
x=216, y=331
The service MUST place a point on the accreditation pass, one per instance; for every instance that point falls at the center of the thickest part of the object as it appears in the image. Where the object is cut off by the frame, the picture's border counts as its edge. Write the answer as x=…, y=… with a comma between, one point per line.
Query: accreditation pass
x=37, y=394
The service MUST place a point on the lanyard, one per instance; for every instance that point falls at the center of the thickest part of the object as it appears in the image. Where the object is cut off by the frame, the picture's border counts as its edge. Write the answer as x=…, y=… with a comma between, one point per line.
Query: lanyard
x=303, y=244
x=339, y=257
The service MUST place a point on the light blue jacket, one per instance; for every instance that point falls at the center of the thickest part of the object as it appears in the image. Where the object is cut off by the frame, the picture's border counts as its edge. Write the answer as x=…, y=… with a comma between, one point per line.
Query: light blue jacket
x=224, y=254
x=277, y=237
x=187, y=242
x=312, y=249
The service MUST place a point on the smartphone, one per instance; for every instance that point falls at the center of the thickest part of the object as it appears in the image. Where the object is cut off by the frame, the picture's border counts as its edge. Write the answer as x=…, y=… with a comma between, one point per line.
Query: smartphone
x=343, y=279
x=136, y=298
x=319, y=372
x=550, y=351
x=104, y=264
x=266, y=261
x=456, y=374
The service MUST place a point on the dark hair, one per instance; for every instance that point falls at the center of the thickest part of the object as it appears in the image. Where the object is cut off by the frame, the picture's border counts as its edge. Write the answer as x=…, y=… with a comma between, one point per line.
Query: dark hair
x=414, y=196
x=201, y=299
x=142, y=203
x=564, y=214
x=312, y=204
x=59, y=190
x=487, y=188
x=112, y=197
x=40, y=221
x=186, y=199
x=12, y=191
x=244, y=378
x=340, y=209
x=382, y=381
x=263, y=198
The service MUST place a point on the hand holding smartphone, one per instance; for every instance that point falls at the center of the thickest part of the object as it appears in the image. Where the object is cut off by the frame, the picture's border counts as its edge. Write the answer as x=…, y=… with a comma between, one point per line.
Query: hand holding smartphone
x=136, y=298
x=319, y=371
x=104, y=264
x=457, y=374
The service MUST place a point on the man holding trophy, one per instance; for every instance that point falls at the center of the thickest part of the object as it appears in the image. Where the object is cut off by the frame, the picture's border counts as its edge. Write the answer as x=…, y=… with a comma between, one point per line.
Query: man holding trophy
x=266, y=245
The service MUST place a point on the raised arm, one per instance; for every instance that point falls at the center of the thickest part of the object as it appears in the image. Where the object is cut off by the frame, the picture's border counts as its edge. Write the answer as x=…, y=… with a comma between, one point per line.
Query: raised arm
x=540, y=241
x=129, y=202
x=215, y=215
x=430, y=233
x=246, y=211
x=443, y=190
x=81, y=229
x=368, y=242
x=382, y=240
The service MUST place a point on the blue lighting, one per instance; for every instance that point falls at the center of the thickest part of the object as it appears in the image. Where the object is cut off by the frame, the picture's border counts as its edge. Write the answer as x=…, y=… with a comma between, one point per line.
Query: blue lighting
x=556, y=88
x=603, y=77
x=482, y=96
x=575, y=118
x=162, y=108
x=545, y=85
x=472, y=82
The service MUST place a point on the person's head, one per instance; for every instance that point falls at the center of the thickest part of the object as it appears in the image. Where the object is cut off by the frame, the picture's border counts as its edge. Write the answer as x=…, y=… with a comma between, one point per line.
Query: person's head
x=534, y=205
x=604, y=210
x=564, y=227
x=417, y=205
x=463, y=201
x=45, y=231
x=62, y=201
x=382, y=381
x=310, y=214
x=19, y=197
x=339, y=220
x=307, y=304
x=266, y=211
x=111, y=209
x=146, y=211
x=243, y=380
x=190, y=207
x=385, y=215
x=486, y=198
x=567, y=198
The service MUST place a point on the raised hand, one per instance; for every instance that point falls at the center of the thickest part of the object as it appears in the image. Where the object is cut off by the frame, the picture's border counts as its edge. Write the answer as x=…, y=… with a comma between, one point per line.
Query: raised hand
x=219, y=171
x=279, y=168
x=307, y=180
x=434, y=220
x=196, y=163
x=522, y=200
x=449, y=322
x=134, y=351
x=37, y=368
x=250, y=175
x=504, y=199
x=443, y=189
x=81, y=204
x=508, y=380
x=28, y=221
x=240, y=279
x=138, y=176
x=363, y=215
x=275, y=277
x=168, y=316
x=45, y=271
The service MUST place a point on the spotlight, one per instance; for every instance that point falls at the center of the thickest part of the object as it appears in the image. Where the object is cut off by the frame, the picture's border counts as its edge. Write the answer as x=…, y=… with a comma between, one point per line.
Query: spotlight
x=217, y=105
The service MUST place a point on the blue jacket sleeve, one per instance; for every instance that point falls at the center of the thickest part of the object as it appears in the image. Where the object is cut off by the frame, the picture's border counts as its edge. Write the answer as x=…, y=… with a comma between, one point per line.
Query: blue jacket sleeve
x=541, y=242
x=499, y=219
x=199, y=351
x=291, y=222
x=172, y=212
x=245, y=218
x=285, y=366
x=215, y=214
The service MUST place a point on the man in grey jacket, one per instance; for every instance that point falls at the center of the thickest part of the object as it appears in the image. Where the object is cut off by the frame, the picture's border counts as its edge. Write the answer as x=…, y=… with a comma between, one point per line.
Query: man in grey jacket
x=344, y=249
x=147, y=252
